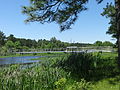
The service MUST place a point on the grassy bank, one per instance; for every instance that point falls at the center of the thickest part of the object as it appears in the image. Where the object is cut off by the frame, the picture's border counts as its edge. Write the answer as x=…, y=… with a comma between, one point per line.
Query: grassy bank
x=108, y=84
x=34, y=54
x=76, y=71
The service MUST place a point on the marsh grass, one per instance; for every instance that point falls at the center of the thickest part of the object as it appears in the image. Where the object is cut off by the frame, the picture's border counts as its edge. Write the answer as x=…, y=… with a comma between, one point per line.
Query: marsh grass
x=76, y=71
x=36, y=78
x=34, y=54
x=91, y=66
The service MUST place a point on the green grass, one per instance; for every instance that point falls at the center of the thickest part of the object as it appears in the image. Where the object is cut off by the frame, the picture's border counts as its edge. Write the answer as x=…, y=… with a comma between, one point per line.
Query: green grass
x=40, y=77
x=63, y=72
x=34, y=54
x=46, y=58
x=108, y=55
x=50, y=56
x=14, y=55
x=108, y=84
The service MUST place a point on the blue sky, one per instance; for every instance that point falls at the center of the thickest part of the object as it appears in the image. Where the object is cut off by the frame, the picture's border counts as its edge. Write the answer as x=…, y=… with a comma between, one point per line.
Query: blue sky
x=90, y=26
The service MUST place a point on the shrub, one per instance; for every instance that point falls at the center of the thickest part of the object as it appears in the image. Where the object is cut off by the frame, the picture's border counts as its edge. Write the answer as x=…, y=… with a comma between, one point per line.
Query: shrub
x=82, y=85
x=81, y=64
x=89, y=66
x=41, y=77
x=60, y=84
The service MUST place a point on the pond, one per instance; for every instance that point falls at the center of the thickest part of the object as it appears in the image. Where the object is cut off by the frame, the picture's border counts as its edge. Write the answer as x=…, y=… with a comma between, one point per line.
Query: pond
x=19, y=60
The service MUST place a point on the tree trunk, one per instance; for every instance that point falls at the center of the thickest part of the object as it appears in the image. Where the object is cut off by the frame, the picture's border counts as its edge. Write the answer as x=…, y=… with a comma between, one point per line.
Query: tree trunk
x=117, y=6
x=118, y=28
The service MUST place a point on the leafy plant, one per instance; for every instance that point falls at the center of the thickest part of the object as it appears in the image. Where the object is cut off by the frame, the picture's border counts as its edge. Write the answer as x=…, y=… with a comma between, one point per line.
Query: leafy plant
x=81, y=64
x=60, y=84
x=82, y=85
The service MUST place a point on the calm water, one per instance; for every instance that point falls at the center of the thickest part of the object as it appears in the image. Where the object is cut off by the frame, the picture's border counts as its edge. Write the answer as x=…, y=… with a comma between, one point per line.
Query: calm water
x=18, y=60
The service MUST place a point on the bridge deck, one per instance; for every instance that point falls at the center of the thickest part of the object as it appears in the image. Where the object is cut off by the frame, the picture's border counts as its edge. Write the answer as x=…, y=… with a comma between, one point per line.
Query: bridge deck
x=88, y=51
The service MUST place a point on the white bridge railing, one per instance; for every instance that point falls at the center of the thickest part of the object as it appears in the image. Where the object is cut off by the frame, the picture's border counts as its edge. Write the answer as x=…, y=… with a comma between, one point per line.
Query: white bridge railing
x=70, y=49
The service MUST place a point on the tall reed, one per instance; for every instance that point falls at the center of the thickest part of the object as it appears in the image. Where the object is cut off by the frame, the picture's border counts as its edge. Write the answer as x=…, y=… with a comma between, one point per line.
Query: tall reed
x=40, y=77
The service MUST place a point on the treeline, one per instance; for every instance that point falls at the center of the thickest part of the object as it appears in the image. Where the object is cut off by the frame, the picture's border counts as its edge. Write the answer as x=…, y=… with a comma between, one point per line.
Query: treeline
x=21, y=43
x=105, y=43
x=11, y=43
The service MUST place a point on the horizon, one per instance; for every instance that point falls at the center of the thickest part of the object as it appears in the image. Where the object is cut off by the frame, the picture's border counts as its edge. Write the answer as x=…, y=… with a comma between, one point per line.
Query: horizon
x=56, y=39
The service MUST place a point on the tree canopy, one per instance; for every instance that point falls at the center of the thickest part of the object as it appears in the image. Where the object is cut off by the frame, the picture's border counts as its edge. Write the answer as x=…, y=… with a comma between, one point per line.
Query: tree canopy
x=105, y=43
x=63, y=12
x=110, y=12
x=2, y=38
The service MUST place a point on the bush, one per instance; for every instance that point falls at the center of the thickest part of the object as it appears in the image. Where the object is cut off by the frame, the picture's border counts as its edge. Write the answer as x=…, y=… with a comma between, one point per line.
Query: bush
x=41, y=77
x=89, y=65
x=81, y=64
x=61, y=84
x=3, y=51
x=54, y=73
x=82, y=85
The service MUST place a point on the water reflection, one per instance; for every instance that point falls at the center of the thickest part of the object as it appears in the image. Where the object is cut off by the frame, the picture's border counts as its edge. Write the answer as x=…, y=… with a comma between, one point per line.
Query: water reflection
x=18, y=60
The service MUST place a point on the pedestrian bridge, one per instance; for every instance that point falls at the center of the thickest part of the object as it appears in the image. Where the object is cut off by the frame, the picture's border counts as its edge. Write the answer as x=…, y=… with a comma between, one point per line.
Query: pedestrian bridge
x=70, y=49
x=87, y=51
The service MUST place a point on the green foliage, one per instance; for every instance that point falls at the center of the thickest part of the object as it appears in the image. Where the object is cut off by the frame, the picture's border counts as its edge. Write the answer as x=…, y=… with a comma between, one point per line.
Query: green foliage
x=60, y=84
x=14, y=44
x=3, y=51
x=80, y=64
x=89, y=66
x=51, y=11
x=105, y=43
x=2, y=38
x=17, y=46
x=63, y=12
x=11, y=38
x=108, y=84
x=57, y=73
x=98, y=43
x=41, y=77
x=82, y=85
x=110, y=12
x=9, y=44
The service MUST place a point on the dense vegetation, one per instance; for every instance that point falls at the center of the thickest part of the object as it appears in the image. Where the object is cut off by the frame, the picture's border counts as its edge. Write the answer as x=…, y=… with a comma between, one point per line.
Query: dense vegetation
x=76, y=71
x=11, y=44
